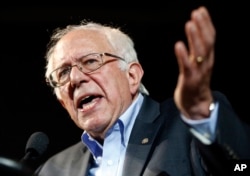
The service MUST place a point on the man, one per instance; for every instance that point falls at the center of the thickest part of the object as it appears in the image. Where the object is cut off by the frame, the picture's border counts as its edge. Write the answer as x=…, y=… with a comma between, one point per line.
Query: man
x=97, y=78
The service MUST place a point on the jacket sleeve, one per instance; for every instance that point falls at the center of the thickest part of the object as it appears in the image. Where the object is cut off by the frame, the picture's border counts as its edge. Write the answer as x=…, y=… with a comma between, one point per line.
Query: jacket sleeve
x=232, y=143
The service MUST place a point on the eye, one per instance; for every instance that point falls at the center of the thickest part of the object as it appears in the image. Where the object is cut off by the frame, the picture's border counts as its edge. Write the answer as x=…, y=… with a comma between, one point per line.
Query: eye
x=91, y=62
x=63, y=72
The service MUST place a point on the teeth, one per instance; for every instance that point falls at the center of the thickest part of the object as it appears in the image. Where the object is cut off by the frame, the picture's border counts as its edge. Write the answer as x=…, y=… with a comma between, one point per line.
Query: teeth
x=85, y=98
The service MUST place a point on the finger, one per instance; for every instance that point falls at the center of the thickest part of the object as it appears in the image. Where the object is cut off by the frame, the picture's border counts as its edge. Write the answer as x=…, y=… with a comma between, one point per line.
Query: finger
x=189, y=38
x=195, y=40
x=205, y=27
x=182, y=56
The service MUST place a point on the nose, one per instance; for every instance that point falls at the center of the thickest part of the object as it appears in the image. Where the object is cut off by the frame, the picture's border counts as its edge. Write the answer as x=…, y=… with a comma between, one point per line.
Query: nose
x=77, y=76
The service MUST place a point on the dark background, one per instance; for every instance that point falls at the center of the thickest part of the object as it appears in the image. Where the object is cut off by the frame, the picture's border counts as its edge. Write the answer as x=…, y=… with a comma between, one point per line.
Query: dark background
x=28, y=105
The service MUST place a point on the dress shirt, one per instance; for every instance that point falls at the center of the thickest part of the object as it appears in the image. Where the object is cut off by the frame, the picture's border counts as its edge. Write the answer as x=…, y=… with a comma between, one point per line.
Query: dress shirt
x=109, y=157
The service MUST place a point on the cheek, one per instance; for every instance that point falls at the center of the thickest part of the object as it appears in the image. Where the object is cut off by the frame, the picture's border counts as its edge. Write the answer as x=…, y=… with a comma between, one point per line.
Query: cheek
x=71, y=111
x=68, y=105
x=67, y=102
x=116, y=84
x=122, y=83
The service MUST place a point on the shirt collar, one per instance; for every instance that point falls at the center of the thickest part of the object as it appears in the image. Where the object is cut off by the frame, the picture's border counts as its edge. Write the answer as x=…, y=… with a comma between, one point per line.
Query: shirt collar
x=124, y=124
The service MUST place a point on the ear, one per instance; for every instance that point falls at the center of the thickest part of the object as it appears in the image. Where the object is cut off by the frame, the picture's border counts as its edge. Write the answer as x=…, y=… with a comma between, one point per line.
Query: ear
x=135, y=73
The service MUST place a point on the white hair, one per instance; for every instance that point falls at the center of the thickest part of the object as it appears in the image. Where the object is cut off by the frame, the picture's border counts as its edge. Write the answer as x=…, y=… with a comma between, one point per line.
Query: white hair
x=121, y=43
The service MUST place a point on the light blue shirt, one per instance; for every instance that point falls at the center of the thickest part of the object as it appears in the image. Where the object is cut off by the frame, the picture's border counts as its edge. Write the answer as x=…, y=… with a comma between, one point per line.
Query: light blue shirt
x=109, y=162
x=109, y=157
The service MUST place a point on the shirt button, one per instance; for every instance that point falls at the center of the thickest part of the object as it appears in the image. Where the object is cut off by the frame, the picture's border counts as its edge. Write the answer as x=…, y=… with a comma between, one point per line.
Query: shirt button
x=99, y=160
x=110, y=162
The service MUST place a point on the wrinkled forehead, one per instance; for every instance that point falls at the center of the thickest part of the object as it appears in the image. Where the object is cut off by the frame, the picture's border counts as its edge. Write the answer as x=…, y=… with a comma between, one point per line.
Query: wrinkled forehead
x=81, y=42
x=78, y=43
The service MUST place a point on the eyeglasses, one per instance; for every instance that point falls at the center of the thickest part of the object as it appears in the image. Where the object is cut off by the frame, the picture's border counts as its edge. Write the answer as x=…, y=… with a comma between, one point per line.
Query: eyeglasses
x=86, y=64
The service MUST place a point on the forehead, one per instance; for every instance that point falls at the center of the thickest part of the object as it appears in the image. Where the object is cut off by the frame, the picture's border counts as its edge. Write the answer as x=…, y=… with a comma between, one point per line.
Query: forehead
x=77, y=43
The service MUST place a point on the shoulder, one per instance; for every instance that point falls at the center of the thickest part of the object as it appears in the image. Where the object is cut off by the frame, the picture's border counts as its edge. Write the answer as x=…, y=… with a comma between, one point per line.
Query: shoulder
x=65, y=161
x=70, y=152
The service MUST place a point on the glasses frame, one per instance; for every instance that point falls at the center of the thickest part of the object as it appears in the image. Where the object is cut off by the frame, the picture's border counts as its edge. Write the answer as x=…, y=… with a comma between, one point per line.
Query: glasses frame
x=54, y=84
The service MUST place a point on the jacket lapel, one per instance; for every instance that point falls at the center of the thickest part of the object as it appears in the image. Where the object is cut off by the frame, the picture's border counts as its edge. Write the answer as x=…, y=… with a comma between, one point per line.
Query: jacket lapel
x=140, y=142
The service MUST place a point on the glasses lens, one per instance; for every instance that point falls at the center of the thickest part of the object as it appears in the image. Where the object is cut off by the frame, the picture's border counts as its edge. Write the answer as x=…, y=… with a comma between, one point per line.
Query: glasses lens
x=90, y=62
x=60, y=75
x=86, y=64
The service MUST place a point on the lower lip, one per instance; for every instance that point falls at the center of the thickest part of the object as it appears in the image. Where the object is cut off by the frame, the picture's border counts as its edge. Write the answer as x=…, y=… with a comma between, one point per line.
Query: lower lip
x=89, y=106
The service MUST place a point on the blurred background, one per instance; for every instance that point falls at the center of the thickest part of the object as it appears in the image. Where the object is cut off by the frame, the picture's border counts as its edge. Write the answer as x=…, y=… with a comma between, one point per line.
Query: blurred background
x=27, y=103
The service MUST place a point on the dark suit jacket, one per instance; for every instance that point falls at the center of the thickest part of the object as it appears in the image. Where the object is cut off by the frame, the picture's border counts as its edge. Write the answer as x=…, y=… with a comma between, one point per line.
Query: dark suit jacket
x=161, y=144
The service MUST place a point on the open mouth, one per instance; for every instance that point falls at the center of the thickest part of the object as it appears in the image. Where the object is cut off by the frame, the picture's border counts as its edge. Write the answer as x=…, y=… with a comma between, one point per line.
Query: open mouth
x=88, y=102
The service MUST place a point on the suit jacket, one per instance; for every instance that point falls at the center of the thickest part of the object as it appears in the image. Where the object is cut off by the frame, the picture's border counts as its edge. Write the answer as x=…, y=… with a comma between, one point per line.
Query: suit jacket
x=161, y=144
